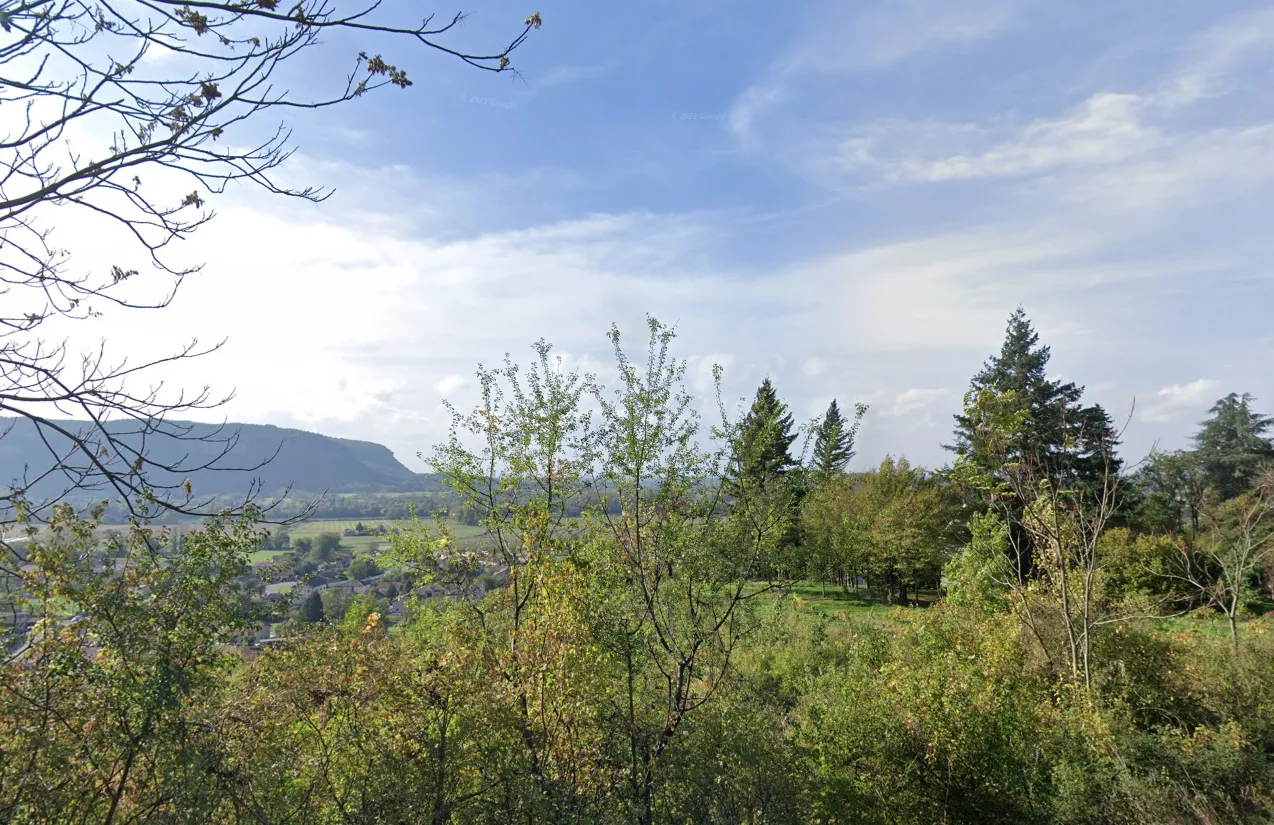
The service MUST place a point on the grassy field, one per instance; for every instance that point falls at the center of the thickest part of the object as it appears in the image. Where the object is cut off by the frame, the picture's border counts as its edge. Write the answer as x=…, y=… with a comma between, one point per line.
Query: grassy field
x=835, y=603
x=359, y=545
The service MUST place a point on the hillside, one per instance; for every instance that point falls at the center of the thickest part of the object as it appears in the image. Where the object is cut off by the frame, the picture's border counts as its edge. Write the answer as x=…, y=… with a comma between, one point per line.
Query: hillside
x=304, y=461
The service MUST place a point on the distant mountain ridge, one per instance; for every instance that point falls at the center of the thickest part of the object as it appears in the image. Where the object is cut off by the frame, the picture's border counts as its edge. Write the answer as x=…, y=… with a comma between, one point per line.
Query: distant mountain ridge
x=305, y=461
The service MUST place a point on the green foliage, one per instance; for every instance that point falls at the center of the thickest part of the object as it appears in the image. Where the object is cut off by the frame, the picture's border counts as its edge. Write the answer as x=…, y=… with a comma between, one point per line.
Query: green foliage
x=312, y=608
x=763, y=448
x=101, y=714
x=978, y=576
x=653, y=661
x=1148, y=569
x=326, y=546
x=1170, y=489
x=336, y=603
x=362, y=568
x=834, y=441
x=1068, y=441
x=1231, y=445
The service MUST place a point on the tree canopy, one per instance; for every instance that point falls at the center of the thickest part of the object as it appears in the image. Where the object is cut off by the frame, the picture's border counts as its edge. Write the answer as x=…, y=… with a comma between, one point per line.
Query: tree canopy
x=1054, y=416
x=1231, y=445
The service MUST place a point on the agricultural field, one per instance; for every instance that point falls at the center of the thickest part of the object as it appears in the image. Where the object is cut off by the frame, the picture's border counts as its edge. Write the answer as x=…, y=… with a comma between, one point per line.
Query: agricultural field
x=359, y=545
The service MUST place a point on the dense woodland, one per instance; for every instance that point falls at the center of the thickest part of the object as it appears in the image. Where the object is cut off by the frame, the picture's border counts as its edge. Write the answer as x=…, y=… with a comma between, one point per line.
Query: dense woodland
x=1074, y=637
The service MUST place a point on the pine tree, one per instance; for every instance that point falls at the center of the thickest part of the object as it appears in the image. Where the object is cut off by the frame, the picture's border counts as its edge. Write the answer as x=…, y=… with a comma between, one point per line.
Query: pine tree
x=763, y=476
x=834, y=441
x=1069, y=442
x=763, y=453
x=1231, y=445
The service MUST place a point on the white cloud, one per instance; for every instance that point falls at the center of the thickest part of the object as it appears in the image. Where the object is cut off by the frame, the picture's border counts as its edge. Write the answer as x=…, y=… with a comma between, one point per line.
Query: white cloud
x=1175, y=399
x=838, y=38
x=1217, y=54
x=913, y=400
x=1105, y=129
x=752, y=105
x=814, y=367
x=895, y=30
x=450, y=385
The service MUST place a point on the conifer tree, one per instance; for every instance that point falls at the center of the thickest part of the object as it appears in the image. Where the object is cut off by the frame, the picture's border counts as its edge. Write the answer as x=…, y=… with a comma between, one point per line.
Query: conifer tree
x=1231, y=445
x=765, y=478
x=763, y=453
x=834, y=441
x=312, y=608
x=1068, y=441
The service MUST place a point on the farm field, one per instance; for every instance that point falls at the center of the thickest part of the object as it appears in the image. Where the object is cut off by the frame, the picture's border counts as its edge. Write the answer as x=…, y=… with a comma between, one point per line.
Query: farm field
x=463, y=534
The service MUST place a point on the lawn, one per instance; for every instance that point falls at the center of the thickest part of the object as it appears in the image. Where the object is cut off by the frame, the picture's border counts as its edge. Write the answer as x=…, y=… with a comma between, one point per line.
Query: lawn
x=834, y=602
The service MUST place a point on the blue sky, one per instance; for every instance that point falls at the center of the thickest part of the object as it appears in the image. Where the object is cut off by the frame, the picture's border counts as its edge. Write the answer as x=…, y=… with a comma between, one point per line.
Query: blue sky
x=865, y=192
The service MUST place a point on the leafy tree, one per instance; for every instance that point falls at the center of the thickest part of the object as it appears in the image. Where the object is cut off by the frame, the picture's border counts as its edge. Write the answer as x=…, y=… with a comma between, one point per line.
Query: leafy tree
x=362, y=568
x=1169, y=490
x=904, y=527
x=336, y=604
x=834, y=441
x=1231, y=445
x=282, y=540
x=830, y=525
x=674, y=569
x=312, y=608
x=303, y=546
x=125, y=658
x=1239, y=540
x=326, y=546
x=979, y=576
x=1055, y=525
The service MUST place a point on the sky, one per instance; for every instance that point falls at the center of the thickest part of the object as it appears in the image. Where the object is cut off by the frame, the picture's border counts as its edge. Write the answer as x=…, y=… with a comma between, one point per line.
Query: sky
x=850, y=198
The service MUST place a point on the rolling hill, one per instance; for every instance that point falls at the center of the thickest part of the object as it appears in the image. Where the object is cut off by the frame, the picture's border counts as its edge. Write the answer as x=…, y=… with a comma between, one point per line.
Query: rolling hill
x=302, y=460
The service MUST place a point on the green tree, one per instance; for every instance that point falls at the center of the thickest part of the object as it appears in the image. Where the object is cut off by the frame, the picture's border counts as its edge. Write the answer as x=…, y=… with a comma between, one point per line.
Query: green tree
x=675, y=571
x=312, y=608
x=1232, y=446
x=903, y=526
x=763, y=448
x=336, y=602
x=830, y=526
x=105, y=702
x=1068, y=441
x=1238, y=541
x=834, y=441
x=326, y=546
x=362, y=568
x=765, y=480
x=1169, y=492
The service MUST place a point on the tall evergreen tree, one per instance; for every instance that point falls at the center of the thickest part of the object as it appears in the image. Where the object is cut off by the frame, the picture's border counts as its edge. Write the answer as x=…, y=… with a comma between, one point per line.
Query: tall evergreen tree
x=763, y=453
x=765, y=478
x=1231, y=445
x=1068, y=441
x=312, y=608
x=834, y=440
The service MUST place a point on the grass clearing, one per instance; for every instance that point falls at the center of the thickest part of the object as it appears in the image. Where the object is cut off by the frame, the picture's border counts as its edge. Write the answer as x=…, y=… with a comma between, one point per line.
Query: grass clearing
x=835, y=603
